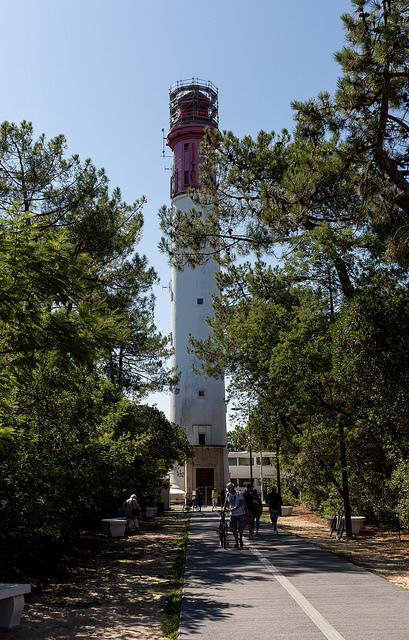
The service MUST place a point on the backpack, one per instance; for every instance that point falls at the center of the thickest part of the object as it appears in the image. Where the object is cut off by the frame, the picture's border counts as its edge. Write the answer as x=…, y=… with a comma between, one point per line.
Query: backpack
x=256, y=505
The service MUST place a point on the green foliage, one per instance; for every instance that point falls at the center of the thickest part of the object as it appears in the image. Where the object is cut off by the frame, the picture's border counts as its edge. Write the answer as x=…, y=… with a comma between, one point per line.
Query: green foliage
x=80, y=254
x=399, y=487
x=77, y=446
x=48, y=312
x=163, y=442
x=76, y=331
x=238, y=439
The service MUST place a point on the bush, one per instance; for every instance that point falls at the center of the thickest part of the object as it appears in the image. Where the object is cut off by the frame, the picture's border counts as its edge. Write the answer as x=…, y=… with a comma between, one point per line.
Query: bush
x=399, y=485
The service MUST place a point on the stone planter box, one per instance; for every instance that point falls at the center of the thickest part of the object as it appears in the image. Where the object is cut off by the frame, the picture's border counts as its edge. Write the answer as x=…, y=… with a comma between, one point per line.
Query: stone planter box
x=356, y=523
x=151, y=512
x=114, y=527
x=12, y=603
x=286, y=510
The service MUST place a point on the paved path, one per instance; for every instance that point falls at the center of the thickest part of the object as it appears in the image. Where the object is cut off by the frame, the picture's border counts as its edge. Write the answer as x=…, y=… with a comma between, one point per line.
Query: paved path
x=281, y=587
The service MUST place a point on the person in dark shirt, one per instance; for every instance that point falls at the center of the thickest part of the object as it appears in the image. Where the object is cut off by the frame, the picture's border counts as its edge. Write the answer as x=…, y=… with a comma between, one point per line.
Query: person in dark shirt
x=257, y=510
x=199, y=497
x=274, y=502
x=248, y=505
x=222, y=497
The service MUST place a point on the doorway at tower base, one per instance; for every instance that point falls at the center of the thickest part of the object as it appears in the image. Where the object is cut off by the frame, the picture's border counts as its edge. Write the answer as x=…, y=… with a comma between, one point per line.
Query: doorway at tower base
x=206, y=471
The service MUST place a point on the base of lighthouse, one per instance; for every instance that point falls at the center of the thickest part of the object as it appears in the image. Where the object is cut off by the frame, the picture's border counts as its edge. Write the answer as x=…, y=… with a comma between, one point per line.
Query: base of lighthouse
x=208, y=469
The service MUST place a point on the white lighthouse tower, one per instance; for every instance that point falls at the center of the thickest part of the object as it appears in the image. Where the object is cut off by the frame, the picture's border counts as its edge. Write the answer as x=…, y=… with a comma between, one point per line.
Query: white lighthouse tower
x=199, y=406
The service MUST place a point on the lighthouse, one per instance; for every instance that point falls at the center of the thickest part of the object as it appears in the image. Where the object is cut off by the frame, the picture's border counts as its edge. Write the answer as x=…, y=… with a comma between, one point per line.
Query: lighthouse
x=199, y=405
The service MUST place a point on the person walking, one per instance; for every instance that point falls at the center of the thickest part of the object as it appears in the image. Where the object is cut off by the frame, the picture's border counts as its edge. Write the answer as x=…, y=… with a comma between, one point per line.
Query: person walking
x=257, y=510
x=198, y=497
x=248, y=505
x=235, y=502
x=222, y=497
x=130, y=509
x=215, y=498
x=274, y=501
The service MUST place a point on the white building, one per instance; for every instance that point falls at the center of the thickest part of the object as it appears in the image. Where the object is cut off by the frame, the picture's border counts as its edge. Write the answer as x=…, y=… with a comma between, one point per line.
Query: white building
x=261, y=469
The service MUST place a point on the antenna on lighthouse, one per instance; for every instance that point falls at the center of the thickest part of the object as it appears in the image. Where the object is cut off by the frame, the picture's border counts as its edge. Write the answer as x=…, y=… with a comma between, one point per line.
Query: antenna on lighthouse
x=163, y=147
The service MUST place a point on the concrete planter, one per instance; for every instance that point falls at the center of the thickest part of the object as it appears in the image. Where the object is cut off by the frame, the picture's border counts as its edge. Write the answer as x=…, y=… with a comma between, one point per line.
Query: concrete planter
x=151, y=512
x=286, y=510
x=356, y=523
x=12, y=603
x=114, y=527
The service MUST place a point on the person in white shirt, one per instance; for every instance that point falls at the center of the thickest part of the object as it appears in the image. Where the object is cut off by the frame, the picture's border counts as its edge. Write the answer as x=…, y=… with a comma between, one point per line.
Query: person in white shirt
x=235, y=502
x=130, y=509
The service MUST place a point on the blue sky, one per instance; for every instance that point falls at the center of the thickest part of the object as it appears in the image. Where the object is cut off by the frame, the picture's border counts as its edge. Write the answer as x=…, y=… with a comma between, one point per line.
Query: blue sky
x=99, y=72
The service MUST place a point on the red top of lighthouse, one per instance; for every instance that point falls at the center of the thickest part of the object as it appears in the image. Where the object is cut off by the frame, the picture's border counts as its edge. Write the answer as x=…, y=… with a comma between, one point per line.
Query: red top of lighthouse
x=193, y=105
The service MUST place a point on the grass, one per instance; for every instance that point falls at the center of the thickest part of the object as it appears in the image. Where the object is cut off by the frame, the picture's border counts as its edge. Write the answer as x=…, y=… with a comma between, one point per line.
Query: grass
x=173, y=599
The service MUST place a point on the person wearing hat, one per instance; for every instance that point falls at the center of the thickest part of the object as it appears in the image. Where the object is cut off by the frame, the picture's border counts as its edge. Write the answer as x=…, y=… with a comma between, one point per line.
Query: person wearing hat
x=248, y=506
x=131, y=511
x=235, y=502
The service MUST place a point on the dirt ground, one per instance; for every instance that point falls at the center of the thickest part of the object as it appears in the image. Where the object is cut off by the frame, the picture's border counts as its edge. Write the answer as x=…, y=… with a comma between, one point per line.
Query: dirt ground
x=113, y=589
x=375, y=548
